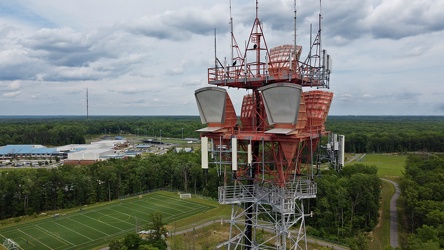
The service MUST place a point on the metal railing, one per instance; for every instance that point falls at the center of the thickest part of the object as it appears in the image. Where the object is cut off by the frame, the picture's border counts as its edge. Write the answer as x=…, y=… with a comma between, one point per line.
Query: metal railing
x=281, y=198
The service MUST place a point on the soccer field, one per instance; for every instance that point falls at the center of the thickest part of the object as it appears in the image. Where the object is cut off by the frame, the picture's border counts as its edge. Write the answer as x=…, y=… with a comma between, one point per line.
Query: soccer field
x=91, y=227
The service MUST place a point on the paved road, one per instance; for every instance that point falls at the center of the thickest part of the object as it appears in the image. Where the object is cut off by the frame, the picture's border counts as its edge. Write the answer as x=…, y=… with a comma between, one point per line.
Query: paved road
x=394, y=215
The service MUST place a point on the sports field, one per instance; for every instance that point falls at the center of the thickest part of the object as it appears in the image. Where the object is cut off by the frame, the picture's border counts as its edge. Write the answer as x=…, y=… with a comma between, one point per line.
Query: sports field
x=91, y=227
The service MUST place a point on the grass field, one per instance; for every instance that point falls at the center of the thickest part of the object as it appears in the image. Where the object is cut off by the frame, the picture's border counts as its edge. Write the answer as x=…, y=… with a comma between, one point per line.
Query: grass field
x=381, y=233
x=389, y=166
x=91, y=227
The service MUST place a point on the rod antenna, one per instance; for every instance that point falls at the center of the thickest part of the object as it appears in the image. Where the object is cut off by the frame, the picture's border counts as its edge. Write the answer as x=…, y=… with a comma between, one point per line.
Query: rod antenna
x=87, y=104
x=295, y=31
x=257, y=7
x=232, y=35
x=320, y=26
x=215, y=49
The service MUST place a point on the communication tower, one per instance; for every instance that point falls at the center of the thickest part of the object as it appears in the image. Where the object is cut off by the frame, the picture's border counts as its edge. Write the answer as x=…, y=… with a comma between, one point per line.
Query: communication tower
x=267, y=160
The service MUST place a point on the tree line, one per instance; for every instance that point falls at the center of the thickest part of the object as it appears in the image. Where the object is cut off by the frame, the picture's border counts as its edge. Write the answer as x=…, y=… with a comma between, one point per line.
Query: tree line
x=56, y=131
x=387, y=134
x=35, y=190
x=423, y=201
x=363, y=134
x=346, y=205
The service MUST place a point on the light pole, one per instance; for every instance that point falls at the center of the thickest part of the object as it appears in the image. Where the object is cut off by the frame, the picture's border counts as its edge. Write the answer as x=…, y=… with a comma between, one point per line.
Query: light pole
x=182, y=133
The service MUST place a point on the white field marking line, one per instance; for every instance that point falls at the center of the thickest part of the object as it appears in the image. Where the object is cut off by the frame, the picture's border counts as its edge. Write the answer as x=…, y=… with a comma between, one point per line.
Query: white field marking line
x=7, y=238
x=88, y=226
x=182, y=201
x=188, y=211
x=170, y=203
x=107, y=215
x=27, y=242
x=104, y=237
x=148, y=208
x=101, y=221
x=131, y=216
x=138, y=211
x=73, y=231
x=191, y=211
x=54, y=235
x=194, y=204
x=30, y=236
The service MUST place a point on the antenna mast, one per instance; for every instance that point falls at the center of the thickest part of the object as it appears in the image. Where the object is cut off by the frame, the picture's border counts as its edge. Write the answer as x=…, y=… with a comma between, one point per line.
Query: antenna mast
x=232, y=35
x=87, y=106
x=320, y=31
x=215, y=49
x=295, y=32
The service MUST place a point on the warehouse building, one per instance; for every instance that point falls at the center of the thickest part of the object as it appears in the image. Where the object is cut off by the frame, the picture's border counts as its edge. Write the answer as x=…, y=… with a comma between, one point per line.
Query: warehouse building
x=27, y=152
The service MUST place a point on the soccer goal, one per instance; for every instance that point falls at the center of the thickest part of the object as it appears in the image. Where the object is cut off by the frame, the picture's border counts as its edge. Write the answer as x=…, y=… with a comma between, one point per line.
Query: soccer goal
x=11, y=245
x=185, y=196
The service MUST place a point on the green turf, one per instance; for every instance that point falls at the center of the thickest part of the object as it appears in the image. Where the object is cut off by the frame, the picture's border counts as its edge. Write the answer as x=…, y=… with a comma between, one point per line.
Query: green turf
x=381, y=233
x=91, y=227
x=389, y=166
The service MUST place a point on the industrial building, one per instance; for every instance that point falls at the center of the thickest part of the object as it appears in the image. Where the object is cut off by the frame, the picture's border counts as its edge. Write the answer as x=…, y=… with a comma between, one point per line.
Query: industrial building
x=27, y=151
x=71, y=154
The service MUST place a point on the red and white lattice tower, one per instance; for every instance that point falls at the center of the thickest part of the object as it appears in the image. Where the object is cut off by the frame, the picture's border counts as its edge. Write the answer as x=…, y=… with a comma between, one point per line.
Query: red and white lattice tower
x=266, y=159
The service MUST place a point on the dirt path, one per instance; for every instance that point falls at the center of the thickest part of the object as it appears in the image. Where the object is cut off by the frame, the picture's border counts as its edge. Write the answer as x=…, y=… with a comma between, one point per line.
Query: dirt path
x=394, y=215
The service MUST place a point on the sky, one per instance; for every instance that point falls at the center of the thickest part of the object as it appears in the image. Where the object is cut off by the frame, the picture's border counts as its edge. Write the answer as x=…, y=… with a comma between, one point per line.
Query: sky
x=140, y=57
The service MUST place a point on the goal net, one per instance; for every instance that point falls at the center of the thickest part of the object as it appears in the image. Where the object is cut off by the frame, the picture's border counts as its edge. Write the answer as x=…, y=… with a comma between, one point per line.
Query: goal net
x=185, y=196
x=11, y=245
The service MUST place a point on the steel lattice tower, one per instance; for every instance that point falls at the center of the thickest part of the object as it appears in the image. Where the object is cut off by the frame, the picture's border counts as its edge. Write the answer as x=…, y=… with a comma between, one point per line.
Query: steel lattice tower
x=267, y=160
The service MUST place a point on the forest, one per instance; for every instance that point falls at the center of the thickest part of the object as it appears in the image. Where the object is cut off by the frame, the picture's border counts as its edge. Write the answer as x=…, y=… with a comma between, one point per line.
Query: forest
x=346, y=205
x=423, y=201
x=364, y=134
x=56, y=131
x=389, y=134
x=347, y=202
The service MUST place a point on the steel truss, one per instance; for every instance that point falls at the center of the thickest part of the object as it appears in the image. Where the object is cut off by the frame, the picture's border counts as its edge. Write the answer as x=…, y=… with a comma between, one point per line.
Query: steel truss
x=277, y=210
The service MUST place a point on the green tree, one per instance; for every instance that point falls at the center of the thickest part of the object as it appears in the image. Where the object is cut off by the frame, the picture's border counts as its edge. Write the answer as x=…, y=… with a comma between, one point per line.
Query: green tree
x=132, y=241
x=157, y=226
x=116, y=245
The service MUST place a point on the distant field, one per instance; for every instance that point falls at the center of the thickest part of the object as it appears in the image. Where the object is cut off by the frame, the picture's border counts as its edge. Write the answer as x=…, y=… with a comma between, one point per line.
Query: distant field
x=92, y=227
x=388, y=165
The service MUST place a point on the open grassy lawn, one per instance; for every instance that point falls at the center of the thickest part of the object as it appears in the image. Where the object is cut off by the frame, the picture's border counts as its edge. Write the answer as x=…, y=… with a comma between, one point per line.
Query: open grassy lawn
x=380, y=238
x=95, y=226
x=389, y=166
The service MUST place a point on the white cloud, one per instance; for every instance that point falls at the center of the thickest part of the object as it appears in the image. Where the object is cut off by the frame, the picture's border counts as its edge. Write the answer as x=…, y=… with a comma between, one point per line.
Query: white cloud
x=14, y=85
x=12, y=94
x=150, y=56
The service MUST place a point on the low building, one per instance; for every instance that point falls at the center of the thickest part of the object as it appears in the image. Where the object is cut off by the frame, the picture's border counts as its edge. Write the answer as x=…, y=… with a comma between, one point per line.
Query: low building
x=89, y=154
x=72, y=153
x=27, y=152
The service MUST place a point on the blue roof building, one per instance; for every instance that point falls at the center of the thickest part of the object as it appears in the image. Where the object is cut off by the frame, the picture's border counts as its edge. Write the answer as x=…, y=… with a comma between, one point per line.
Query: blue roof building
x=9, y=151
